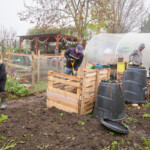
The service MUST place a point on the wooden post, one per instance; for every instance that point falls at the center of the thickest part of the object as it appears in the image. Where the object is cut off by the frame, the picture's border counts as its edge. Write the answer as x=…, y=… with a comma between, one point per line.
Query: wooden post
x=33, y=77
x=97, y=82
x=36, y=45
x=83, y=92
x=38, y=65
x=63, y=60
x=20, y=41
x=108, y=73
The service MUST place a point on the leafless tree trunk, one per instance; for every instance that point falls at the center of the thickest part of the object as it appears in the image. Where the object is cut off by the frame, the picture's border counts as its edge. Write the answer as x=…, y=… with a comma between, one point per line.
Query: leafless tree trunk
x=128, y=15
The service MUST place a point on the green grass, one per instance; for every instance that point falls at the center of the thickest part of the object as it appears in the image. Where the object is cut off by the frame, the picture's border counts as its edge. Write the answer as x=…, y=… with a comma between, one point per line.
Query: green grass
x=41, y=86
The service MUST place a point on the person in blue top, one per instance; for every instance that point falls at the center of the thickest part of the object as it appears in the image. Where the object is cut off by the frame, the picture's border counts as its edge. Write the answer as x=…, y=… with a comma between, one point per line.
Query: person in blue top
x=3, y=78
x=74, y=57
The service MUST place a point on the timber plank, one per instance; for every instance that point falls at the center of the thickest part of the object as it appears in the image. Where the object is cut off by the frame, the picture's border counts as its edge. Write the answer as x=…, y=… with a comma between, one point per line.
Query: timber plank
x=61, y=107
x=63, y=92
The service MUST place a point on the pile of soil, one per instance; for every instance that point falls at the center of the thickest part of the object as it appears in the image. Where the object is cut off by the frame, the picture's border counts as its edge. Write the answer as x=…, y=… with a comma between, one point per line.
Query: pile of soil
x=40, y=128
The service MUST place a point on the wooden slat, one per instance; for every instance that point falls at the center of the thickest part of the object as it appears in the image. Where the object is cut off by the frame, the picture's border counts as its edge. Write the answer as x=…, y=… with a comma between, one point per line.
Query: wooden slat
x=19, y=66
x=90, y=108
x=103, y=72
x=59, y=106
x=89, y=95
x=63, y=75
x=16, y=54
x=89, y=104
x=63, y=92
x=87, y=69
x=90, y=79
x=91, y=74
x=66, y=99
x=92, y=83
x=62, y=102
x=67, y=82
x=89, y=99
x=42, y=57
x=90, y=89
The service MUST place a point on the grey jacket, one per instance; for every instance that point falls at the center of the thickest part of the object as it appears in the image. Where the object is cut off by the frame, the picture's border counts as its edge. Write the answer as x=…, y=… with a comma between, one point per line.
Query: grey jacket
x=136, y=57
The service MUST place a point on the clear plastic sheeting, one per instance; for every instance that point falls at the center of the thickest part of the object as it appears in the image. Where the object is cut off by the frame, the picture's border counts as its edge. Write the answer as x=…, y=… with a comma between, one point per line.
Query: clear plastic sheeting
x=106, y=48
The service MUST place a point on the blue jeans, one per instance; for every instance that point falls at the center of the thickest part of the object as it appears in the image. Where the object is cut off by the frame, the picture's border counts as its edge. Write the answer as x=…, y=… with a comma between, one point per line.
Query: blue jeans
x=69, y=71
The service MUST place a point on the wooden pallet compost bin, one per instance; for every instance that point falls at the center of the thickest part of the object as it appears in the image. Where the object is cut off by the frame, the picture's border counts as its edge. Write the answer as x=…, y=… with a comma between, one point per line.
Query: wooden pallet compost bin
x=75, y=94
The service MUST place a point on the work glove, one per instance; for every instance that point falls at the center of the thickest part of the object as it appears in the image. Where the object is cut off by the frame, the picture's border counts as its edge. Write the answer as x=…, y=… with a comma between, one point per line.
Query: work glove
x=130, y=63
x=141, y=65
x=70, y=59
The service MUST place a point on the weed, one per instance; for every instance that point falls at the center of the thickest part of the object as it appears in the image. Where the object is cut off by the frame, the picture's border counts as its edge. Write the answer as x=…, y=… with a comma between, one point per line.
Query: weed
x=147, y=143
x=82, y=123
x=3, y=118
x=10, y=145
x=145, y=115
x=25, y=135
x=3, y=138
x=113, y=147
x=61, y=114
x=122, y=142
x=34, y=114
x=28, y=139
x=18, y=116
x=128, y=143
x=90, y=116
x=43, y=146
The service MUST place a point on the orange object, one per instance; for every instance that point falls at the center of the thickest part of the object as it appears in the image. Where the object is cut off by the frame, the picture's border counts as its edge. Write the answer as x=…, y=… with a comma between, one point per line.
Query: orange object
x=138, y=107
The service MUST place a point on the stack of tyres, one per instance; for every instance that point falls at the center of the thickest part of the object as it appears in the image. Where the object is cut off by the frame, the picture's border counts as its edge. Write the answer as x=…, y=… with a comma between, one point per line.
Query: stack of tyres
x=110, y=102
x=134, y=84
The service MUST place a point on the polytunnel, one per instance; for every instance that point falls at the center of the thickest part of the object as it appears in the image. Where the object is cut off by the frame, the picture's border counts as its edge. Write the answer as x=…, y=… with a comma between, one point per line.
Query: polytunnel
x=106, y=48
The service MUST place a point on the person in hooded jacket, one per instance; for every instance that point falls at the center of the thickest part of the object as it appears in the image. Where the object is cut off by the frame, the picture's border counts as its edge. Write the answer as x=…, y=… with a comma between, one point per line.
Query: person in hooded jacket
x=76, y=55
x=3, y=78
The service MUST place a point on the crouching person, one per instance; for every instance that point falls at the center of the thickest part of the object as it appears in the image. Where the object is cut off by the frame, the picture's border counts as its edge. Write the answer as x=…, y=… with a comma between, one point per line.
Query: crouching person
x=3, y=78
x=74, y=57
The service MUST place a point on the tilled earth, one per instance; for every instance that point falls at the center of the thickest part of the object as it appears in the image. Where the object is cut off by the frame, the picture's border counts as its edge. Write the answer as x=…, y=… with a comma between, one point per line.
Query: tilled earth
x=32, y=126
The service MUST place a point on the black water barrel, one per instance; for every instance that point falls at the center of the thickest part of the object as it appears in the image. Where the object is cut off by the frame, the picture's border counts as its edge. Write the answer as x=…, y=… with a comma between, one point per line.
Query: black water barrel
x=110, y=102
x=134, y=83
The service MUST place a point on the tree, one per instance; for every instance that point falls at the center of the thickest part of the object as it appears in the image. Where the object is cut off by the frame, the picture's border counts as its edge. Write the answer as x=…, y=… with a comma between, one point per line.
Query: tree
x=128, y=15
x=146, y=26
x=62, y=13
x=71, y=31
x=7, y=37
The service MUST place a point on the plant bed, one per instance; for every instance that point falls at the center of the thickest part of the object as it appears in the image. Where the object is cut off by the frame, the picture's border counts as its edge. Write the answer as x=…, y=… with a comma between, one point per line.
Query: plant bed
x=74, y=94
x=33, y=126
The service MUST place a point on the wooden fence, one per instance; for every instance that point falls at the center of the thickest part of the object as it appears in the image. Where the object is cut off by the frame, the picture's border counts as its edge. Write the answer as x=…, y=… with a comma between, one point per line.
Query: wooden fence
x=31, y=67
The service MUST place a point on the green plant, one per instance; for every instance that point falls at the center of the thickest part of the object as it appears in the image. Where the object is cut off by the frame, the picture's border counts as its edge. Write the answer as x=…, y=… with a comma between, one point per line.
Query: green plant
x=10, y=145
x=128, y=143
x=34, y=114
x=18, y=116
x=122, y=142
x=3, y=118
x=14, y=86
x=145, y=115
x=61, y=114
x=3, y=138
x=90, y=116
x=147, y=143
x=81, y=123
x=113, y=146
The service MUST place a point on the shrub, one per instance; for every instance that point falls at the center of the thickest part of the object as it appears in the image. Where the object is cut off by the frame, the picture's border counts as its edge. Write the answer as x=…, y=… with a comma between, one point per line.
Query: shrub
x=14, y=86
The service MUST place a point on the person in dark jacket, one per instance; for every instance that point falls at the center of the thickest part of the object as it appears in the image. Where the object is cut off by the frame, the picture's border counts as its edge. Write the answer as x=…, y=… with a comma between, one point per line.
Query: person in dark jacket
x=76, y=55
x=3, y=78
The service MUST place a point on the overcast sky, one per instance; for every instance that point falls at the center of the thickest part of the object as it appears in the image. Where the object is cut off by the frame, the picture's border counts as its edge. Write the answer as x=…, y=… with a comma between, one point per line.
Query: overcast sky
x=9, y=17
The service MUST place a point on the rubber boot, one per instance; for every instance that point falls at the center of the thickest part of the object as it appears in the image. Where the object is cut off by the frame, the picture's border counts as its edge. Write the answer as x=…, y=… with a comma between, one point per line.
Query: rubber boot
x=4, y=105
